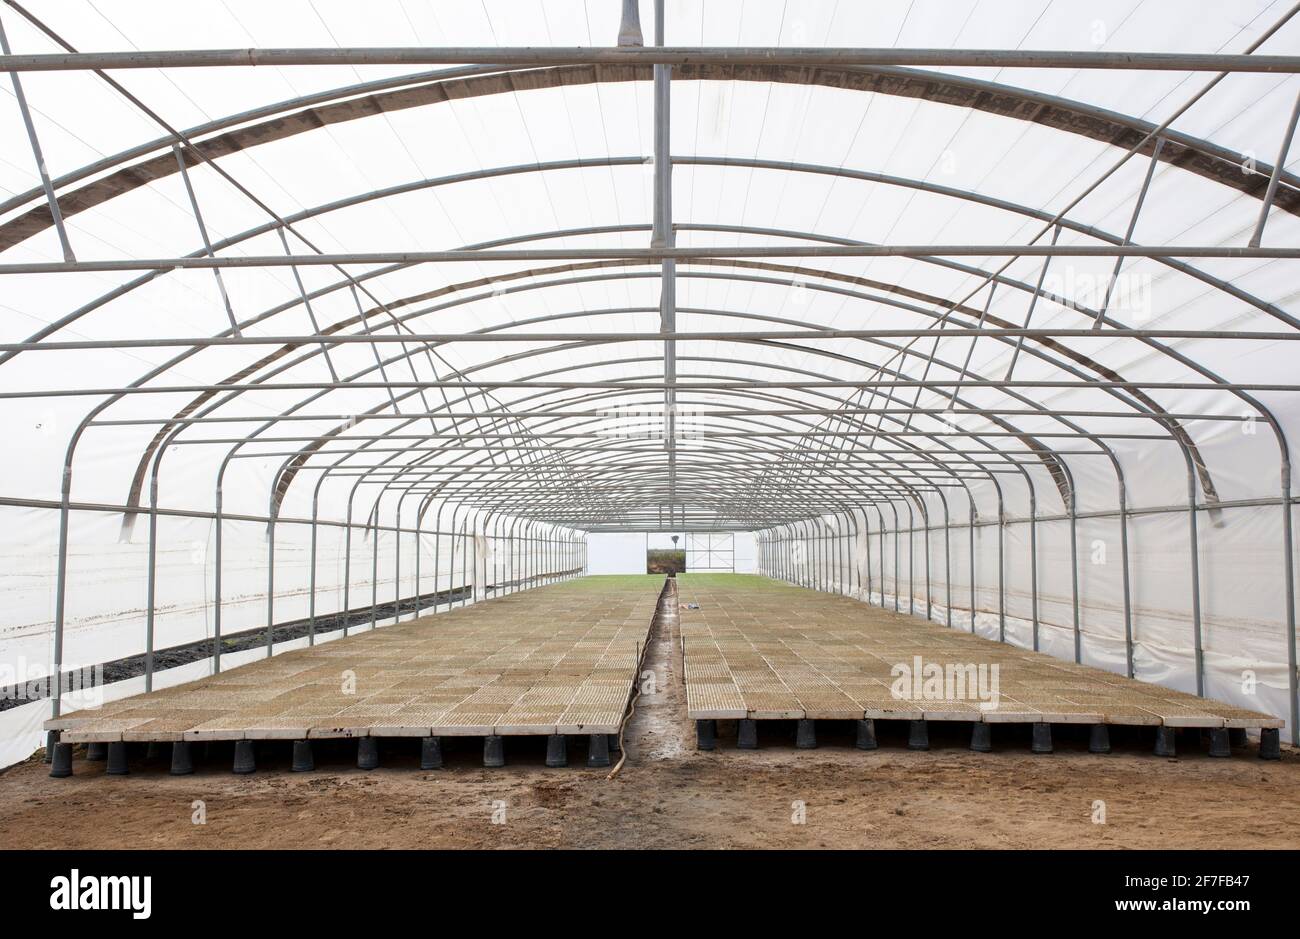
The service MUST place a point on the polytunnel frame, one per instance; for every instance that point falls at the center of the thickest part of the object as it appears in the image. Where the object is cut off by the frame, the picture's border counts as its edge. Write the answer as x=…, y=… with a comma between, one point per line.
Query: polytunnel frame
x=668, y=258
x=271, y=593
x=1031, y=501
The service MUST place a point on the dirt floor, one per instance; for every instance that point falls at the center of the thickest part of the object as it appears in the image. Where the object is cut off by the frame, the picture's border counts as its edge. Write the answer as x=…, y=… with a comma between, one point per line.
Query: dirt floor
x=671, y=796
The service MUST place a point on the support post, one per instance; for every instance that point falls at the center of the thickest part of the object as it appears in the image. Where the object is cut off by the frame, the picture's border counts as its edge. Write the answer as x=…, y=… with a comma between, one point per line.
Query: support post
x=303, y=761
x=1074, y=576
x=597, y=750
x=557, y=750
x=217, y=526
x=1270, y=746
x=182, y=764
x=151, y=578
x=61, y=761
x=1194, y=554
x=1219, y=744
x=116, y=758
x=245, y=759
x=311, y=581
x=430, y=753
x=367, y=752
x=1033, y=563
x=1165, y=745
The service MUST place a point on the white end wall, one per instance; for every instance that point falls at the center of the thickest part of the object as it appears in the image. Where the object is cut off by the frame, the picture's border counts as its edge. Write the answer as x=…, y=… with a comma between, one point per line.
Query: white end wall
x=616, y=553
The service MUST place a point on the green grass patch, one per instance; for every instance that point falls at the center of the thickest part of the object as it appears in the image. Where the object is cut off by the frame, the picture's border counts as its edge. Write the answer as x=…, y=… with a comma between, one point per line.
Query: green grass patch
x=616, y=581
x=729, y=581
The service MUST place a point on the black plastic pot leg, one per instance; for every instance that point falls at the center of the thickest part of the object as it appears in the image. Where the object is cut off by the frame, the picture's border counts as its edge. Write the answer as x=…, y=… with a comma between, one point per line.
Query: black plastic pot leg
x=1270, y=744
x=430, y=753
x=152, y=751
x=1099, y=739
x=1236, y=737
x=557, y=750
x=981, y=737
x=805, y=735
x=918, y=735
x=706, y=734
x=245, y=761
x=116, y=758
x=614, y=746
x=51, y=738
x=182, y=765
x=98, y=752
x=303, y=760
x=367, y=752
x=866, y=735
x=747, y=734
x=1042, y=742
x=61, y=761
x=598, y=750
x=494, y=751
x=1165, y=745
x=1219, y=745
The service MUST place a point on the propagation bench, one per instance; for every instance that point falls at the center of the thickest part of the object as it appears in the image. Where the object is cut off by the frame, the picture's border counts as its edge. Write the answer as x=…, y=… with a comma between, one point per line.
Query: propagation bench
x=558, y=661
x=757, y=649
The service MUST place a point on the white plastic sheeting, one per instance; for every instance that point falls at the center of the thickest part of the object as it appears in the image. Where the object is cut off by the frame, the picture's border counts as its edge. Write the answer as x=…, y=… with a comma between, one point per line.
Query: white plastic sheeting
x=1243, y=623
x=441, y=449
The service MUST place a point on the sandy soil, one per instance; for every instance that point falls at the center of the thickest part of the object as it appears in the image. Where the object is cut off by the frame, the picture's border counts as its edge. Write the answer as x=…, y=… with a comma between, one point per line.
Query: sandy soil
x=671, y=796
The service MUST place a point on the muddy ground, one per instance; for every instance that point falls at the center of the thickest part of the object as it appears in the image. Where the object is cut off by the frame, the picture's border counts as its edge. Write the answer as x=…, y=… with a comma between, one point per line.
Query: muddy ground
x=671, y=796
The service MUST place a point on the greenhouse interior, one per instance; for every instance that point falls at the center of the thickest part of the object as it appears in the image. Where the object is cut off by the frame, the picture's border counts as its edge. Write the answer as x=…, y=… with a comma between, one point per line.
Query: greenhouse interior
x=508, y=333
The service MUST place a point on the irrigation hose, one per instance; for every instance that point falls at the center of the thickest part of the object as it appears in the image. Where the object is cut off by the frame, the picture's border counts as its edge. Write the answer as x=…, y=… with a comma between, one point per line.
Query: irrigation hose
x=622, y=728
